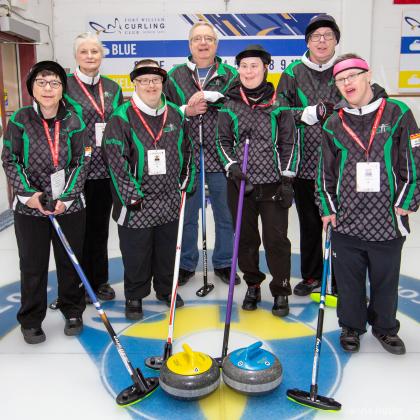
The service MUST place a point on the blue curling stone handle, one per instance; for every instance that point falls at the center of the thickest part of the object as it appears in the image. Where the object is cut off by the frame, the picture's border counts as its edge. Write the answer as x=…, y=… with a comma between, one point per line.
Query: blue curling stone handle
x=252, y=357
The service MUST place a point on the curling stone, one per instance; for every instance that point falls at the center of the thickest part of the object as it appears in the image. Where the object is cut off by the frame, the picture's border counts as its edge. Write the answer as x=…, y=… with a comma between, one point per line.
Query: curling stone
x=189, y=375
x=252, y=370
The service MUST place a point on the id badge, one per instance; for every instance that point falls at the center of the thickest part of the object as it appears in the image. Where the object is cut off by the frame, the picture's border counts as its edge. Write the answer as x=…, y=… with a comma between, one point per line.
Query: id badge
x=99, y=133
x=58, y=182
x=156, y=162
x=368, y=177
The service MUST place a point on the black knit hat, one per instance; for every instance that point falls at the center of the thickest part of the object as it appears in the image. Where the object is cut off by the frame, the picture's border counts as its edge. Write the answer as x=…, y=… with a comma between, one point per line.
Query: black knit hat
x=254, y=50
x=321, y=21
x=51, y=66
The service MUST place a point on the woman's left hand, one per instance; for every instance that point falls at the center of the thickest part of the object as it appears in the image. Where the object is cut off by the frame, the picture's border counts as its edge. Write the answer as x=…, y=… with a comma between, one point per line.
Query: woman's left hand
x=59, y=208
x=402, y=212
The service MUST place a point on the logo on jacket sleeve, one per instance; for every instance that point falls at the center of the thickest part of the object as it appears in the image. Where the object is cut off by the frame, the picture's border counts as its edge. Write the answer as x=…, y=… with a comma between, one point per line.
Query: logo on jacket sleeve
x=415, y=140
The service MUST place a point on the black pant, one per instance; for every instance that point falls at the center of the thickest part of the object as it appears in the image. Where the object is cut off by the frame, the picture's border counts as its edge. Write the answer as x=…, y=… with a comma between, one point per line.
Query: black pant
x=95, y=249
x=352, y=257
x=34, y=236
x=147, y=253
x=310, y=224
x=277, y=246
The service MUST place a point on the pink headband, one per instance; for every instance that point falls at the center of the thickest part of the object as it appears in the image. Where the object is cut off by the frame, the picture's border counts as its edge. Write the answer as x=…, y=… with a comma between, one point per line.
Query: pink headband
x=350, y=63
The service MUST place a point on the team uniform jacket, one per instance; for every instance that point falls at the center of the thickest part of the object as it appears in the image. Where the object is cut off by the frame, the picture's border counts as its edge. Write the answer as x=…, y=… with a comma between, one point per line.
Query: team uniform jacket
x=28, y=161
x=182, y=84
x=271, y=130
x=125, y=145
x=304, y=84
x=76, y=98
x=370, y=216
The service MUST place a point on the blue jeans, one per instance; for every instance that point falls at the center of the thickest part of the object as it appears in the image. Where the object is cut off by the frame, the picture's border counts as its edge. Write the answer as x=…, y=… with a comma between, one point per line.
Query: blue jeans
x=222, y=254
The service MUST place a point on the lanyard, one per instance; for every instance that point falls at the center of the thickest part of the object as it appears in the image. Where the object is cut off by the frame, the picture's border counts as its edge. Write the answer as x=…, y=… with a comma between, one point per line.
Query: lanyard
x=101, y=112
x=55, y=148
x=147, y=127
x=245, y=99
x=354, y=136
x=196, y=76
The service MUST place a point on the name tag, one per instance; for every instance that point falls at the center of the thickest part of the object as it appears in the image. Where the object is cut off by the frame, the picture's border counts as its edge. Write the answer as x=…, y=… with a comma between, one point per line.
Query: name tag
x=368, y=177
x=58, y=182
x=156, y=162
x=99, y=133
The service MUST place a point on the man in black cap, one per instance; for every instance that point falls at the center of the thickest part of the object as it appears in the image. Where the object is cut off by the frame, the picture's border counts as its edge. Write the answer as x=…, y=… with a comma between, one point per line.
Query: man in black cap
x=308, y=86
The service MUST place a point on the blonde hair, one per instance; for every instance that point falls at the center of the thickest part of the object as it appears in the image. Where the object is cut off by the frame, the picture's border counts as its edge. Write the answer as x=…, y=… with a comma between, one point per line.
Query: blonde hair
x=199, y=24
x=87, y=36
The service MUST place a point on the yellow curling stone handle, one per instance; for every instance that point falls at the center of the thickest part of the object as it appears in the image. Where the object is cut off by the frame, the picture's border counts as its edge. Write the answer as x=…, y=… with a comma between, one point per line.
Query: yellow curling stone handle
x=189, y=362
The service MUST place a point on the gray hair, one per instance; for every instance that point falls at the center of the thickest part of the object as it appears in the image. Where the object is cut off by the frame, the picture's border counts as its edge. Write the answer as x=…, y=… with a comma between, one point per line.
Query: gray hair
x=87, y=36
x=202, y=23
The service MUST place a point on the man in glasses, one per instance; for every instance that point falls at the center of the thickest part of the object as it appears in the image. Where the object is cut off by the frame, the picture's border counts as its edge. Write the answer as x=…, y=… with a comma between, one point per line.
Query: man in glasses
x=198, y=87
x=367, y=185
x=307, y=86
x=149, y=156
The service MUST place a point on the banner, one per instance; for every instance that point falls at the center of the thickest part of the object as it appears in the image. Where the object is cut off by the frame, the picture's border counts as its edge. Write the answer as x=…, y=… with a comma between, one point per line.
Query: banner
x=409, y=76
x=128, y=39
x=406, y=1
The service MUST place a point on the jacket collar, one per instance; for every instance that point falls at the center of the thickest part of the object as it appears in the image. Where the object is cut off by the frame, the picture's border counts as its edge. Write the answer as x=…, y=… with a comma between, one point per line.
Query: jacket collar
x=367, y=109
x=146, y=109
x=318, y=67
x=220, y=69
x=61, y=112
x=87, y=79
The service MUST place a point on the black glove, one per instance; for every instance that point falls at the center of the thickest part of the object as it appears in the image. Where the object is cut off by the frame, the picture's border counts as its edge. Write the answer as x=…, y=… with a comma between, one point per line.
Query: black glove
x=236, y=175
x=284, y=192
x=136, y=206
x=324, y=110
x=47, y=203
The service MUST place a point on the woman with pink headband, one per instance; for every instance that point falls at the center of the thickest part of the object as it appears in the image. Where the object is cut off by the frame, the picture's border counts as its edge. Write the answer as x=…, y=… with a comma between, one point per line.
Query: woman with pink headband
x=366, y=187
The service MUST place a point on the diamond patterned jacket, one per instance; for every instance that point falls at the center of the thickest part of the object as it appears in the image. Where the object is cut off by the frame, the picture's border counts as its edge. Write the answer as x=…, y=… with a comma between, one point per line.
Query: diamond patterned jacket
x=271, y=130
x=303, y=85
x=370, y=216
x=28, y=162
x=126, y=144
x=77, y=99
x=182, y=84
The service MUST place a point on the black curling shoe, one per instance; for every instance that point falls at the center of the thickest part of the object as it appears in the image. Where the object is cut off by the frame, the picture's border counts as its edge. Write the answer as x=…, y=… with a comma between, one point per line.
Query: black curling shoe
x=281, y=306
x=73, y=326
x=349, y=340
x=133, y=309
x=391, y=343
x=33, y=335
x=252, y=297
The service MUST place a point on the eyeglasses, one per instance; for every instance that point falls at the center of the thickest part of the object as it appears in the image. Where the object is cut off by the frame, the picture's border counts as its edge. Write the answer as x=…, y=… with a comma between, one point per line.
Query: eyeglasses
x=54, y=84
x=207, y=39
x=350, y=78
x=146, y=82
x=328, y=36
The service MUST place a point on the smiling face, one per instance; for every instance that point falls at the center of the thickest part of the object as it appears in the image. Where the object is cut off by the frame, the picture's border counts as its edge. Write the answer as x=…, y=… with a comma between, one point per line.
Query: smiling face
x=89, y=57
x=321, y=45
x=354, y=85
x=47, y=96
x=203, y=45
x=149, y=88
x=251, y=72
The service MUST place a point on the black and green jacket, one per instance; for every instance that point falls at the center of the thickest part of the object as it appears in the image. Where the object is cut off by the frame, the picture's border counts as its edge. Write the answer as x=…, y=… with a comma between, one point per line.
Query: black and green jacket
x=125, y=146
x=271, y=131
x=28, y=163
x=370, y=216
x=179, y=88
x=76, y=98
x=302, y=86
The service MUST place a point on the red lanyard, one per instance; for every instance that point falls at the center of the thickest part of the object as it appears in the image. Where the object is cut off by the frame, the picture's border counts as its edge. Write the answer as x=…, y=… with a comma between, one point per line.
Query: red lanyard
x=147, y=127
x=375, y=126
x=245, y=99
x=101, y=112
x=55, y=148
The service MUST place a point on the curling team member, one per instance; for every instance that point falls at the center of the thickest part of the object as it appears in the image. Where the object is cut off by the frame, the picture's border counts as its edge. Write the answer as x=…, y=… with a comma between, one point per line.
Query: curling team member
x=198, y=86
x=367, y=185
x=44, y=160
x=94, y=97
x=308, y=87
x=150, y=159
x=252, y=111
